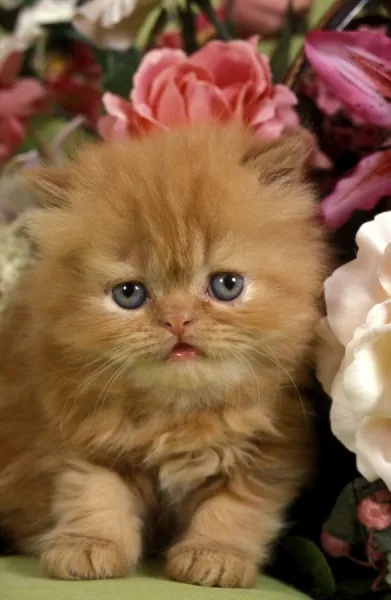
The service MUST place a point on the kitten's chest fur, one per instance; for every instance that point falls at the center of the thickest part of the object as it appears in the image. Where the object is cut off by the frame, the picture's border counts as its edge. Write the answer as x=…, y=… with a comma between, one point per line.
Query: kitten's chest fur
x=180, y=451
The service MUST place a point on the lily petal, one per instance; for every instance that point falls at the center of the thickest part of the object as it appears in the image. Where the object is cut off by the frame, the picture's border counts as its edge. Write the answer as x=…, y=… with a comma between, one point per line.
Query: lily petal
x=362, y=190
x=356, y=68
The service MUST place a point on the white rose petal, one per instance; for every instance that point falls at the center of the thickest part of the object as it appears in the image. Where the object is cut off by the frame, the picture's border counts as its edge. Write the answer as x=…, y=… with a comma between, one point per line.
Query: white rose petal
x=374, y=450
x=353, y=289
x=329, y=354
x=367, y=379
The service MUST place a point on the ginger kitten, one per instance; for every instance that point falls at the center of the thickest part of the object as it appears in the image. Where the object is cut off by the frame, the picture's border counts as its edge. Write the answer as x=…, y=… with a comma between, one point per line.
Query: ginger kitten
x=150, y=365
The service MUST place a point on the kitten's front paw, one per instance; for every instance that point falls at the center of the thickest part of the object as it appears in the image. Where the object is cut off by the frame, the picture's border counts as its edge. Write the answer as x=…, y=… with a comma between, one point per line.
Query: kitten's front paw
x=84, y=558
x=207, y=566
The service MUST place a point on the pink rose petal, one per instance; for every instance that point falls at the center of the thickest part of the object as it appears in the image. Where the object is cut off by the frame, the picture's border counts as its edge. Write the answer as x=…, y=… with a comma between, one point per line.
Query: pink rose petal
x=177, y=73
x=238, y=61
x=258, y=113
x=205, y=101
x=125, y=120
x=171, y=107
x=153, y=63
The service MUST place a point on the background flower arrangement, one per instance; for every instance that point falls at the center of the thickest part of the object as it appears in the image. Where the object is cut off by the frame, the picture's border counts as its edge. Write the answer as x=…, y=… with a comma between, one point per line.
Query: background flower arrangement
x=114, y=68
x=147, y=64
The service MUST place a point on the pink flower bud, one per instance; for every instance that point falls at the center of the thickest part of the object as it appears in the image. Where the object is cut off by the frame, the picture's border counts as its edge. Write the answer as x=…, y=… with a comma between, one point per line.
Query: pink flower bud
x=334, y=546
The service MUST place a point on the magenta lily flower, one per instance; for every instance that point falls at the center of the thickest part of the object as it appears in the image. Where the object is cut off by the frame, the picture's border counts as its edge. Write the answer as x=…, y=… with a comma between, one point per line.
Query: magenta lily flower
x=356, y=68
x=362, y=190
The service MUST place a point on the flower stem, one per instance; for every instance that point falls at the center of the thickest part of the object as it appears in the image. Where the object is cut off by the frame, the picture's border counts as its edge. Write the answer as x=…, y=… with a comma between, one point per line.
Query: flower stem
x=208, y=10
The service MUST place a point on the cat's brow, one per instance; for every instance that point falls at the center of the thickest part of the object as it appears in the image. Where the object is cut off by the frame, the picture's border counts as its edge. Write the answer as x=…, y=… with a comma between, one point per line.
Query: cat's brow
x=114, y=270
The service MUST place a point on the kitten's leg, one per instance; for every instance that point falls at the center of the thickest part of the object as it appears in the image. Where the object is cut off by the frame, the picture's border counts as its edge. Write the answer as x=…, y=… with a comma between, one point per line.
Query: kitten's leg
x=98, y=526
x=228, y=538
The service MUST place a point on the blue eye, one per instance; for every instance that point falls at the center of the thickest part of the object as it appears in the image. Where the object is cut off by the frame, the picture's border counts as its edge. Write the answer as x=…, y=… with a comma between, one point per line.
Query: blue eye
x=226, y=286
x=130, y=295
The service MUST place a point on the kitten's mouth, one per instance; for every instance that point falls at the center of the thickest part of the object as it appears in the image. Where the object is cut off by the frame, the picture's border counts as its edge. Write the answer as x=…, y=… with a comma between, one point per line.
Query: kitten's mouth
x=182, y=352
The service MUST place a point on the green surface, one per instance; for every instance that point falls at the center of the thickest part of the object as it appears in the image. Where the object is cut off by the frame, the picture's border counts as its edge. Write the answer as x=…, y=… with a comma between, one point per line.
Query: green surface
x=21, y=579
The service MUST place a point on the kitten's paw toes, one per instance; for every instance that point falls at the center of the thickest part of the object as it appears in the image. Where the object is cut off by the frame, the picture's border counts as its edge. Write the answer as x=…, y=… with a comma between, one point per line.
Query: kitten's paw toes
x=202, y=565
x=85, y=558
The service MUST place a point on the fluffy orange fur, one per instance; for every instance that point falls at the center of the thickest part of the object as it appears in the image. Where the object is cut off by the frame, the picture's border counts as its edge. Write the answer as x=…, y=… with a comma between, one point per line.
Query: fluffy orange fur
x=108, y=449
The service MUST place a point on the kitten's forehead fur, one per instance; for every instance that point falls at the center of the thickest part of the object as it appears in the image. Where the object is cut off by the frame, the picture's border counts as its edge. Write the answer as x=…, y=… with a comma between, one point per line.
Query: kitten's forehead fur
x=171, y=203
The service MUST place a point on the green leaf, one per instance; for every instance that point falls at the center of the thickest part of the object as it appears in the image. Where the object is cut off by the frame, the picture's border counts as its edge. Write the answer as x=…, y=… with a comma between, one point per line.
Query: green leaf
x=187, y=22
x=308, y=559
x=300, y=24
x=382, y=540
x=342, y=522
x=151, y=28
x=279, y=62
x=118, y=69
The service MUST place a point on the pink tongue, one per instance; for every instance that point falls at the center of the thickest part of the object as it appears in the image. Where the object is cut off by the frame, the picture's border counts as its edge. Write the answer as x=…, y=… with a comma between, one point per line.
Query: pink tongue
x=183, y=352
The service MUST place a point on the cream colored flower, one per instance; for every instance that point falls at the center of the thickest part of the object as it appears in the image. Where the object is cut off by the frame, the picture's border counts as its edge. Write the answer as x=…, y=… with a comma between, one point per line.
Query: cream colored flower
x=113, y=24
x=43, y=12
x=358, y=301
x=361, y=393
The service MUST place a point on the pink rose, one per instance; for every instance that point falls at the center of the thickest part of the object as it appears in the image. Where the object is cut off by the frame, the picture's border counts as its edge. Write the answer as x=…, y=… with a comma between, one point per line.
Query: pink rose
x=223, y=80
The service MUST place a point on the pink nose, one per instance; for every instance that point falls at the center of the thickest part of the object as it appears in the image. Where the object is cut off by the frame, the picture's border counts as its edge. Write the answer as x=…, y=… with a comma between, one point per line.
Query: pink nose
x=178, y=323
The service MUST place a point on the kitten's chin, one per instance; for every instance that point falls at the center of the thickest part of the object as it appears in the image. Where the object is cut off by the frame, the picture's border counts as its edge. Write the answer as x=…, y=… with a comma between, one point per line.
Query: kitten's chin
x=189, y=375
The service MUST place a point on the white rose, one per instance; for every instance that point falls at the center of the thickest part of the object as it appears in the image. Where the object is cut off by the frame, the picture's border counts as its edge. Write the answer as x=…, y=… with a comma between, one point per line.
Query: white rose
x=358, y=302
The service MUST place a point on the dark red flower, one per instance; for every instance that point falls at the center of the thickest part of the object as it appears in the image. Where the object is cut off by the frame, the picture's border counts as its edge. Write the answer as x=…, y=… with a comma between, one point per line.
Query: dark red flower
x=74, y=82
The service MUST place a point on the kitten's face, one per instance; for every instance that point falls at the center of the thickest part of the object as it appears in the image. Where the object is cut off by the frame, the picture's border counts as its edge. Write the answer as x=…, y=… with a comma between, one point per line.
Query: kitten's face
x=186, y=264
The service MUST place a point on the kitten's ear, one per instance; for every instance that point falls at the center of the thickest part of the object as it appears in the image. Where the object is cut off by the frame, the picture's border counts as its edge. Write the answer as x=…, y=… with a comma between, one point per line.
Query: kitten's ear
x=284, y=160
x=51, y=184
